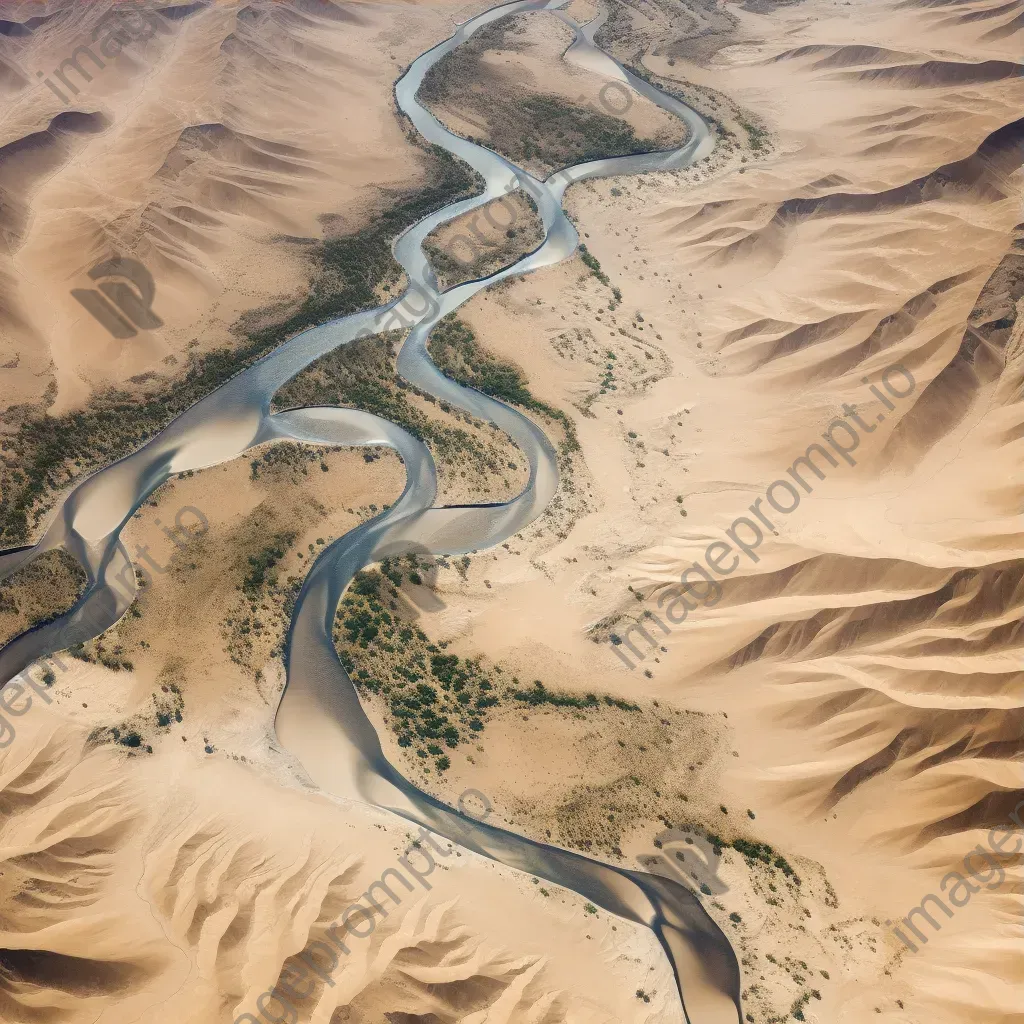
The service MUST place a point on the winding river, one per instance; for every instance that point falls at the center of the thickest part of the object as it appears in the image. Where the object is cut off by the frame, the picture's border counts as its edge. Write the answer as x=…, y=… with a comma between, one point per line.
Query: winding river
x=320, y=719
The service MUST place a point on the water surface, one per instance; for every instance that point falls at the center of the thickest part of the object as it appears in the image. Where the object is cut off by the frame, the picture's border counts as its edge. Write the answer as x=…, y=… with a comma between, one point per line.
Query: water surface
x=320, y=719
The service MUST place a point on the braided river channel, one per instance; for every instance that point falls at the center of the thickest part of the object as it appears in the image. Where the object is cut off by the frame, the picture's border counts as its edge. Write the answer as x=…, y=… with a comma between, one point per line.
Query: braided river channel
x=320, y=719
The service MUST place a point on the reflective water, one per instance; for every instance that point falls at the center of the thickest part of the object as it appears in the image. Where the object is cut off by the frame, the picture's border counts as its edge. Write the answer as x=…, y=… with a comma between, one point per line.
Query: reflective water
x=320, y=718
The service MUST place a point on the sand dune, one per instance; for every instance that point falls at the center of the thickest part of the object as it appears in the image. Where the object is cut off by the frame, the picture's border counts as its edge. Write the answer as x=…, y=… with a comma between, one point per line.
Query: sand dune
x=190, y=153
x=158, y=888
x=851, y=701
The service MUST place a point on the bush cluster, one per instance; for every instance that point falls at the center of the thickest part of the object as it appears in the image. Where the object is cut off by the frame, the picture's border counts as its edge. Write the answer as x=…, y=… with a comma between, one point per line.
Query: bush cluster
x=430, y=697
x=361, y=375
x=45, y=453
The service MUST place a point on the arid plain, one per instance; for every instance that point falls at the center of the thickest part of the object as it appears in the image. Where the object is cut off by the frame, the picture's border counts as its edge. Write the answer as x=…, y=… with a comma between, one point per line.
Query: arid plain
x=831, y=728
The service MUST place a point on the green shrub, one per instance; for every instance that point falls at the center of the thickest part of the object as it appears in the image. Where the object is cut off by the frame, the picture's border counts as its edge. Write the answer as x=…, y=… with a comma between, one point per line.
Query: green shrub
x=46, y=452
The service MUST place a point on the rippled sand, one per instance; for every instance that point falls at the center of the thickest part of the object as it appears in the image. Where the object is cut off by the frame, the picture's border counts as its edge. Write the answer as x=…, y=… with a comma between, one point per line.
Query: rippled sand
x=867, y=663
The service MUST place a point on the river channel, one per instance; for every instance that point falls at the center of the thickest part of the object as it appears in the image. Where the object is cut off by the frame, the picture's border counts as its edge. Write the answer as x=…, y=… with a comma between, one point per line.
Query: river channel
x=320, y=719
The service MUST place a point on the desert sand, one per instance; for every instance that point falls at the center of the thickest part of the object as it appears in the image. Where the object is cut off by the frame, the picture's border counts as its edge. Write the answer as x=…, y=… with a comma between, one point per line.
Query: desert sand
x=850, y=701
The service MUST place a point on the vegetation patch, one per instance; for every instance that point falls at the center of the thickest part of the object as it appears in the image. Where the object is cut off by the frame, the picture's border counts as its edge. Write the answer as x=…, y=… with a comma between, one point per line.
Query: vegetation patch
x=674, y=28
x=38, y=593
x=626, y=363
x=256, y=622
x=168, y=707
x=540, y=694
x=42, y=454
x=106, y=650
x=290, y=459
x=454, y=348
x=542, y=131
x=484, y=241
x=754, y=852
x=362, y=375
x=433, y=701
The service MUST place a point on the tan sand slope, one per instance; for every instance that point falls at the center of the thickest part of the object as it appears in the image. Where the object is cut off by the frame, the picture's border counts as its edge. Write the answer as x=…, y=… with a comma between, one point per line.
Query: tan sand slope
x=218, y=129
x=192, y=902
x=868, y=660
x=852, y=699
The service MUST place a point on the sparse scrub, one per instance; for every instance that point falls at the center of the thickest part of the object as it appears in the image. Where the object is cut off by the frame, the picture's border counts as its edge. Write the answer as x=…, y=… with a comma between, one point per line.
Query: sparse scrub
x=38, y=593
x=543, y=131
x=478, y=244
x=456, y=351
x=44, y=453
